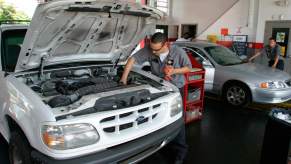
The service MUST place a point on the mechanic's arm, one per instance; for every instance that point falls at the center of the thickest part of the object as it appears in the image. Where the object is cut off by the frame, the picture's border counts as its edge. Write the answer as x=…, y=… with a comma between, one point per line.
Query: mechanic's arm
x=127, y=70
x=171, y=71
x=275, y=61
x=184, y=62
x=181, y=70
x=139, y=57
x=256, y=55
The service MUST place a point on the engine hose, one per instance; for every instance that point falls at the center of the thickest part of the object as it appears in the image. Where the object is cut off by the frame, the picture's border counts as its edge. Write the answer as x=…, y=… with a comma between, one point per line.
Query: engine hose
x=65, y=100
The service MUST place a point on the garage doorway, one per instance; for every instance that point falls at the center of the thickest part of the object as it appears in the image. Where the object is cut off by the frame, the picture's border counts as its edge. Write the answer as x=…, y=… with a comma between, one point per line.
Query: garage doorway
x=189, y=28
x=163, y=29
x=282, y=38
x=280, y=30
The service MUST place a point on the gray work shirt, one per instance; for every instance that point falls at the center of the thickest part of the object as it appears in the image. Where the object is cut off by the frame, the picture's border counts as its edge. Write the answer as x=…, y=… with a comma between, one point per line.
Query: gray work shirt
x=272, y=53
x=176, y=54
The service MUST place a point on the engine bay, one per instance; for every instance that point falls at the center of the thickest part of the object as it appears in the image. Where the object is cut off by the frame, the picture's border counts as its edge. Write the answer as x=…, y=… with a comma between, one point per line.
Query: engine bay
x=66, y=87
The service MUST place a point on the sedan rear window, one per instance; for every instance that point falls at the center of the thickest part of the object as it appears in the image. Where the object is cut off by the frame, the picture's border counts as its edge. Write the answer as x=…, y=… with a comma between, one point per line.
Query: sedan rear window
x=223, y=56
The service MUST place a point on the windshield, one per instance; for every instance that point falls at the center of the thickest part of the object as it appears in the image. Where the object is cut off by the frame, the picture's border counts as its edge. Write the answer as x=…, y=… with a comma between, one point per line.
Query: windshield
x=223, y=56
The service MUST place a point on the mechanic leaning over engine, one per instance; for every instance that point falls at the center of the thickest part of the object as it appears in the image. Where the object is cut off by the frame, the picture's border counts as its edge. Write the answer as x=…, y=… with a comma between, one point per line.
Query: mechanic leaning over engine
x=159, y=55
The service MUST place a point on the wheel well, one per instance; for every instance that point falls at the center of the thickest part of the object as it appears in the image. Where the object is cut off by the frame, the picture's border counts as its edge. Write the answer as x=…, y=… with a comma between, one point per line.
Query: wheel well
x=236, y=82
x=14, y=127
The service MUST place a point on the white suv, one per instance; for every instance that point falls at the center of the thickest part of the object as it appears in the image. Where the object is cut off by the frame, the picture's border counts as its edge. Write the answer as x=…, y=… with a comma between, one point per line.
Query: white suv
x=60, y=96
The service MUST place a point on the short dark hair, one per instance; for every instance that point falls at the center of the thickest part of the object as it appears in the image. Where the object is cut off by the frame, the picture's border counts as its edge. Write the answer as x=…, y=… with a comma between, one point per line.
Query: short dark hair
x=187, y=35
x=159, y=38
x=272, y=38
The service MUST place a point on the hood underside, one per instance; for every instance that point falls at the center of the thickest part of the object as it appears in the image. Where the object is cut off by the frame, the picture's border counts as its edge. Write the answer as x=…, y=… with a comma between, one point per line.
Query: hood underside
x=72, y=31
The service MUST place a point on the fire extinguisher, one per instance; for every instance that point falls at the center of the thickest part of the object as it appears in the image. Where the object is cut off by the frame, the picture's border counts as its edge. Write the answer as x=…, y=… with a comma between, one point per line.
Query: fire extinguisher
x=167, y=68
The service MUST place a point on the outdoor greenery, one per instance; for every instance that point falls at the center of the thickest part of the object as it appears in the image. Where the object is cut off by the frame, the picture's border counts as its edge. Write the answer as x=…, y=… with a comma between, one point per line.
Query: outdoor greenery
x=8, y=12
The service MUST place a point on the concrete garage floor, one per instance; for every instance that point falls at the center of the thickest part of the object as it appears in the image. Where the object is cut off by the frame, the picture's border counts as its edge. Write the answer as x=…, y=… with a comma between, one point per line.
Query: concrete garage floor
x=224, y=135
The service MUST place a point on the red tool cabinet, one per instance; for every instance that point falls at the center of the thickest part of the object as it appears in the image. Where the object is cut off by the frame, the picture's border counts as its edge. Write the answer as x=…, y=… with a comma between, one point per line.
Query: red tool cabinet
x=193, y=98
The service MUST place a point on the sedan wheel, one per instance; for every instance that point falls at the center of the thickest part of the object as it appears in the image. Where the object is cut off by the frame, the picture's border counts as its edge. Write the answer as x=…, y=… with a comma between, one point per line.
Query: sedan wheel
x=237, y=95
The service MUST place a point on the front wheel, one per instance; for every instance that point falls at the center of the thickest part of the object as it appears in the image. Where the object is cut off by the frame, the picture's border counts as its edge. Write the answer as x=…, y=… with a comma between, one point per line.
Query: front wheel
x=237, y=95
x=19, y=149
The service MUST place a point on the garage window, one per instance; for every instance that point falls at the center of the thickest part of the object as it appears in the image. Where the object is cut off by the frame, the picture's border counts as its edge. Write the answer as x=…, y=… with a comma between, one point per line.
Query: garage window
x=163, y=5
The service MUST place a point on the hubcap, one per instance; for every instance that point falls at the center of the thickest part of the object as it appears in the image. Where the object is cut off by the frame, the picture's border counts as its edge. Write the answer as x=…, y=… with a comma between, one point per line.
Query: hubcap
x=235, y=95
x=17, y=159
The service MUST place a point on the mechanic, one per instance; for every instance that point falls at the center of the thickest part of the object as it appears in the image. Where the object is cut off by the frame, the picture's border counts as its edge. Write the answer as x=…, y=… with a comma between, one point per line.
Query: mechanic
x=273, y=52
x=158, y=54
x=186, y=37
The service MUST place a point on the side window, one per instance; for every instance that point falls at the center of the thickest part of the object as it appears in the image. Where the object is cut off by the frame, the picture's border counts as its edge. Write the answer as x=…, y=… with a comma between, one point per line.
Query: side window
x=196, y=59
x=10, y=48
x=199, y=51
x=196, y=53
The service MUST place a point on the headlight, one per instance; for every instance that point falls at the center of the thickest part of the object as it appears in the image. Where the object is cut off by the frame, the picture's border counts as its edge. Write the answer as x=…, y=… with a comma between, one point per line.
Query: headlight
x=176, y=106
x=69, y=136
x=273, y=85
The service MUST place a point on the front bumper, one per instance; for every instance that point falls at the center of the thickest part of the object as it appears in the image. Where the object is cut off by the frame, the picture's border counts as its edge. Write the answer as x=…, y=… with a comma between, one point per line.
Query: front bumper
x=271, y=96
x=130, y=152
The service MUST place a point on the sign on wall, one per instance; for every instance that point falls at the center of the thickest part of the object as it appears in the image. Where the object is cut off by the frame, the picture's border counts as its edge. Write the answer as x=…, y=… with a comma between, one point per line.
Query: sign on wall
x=224, y=31
x=240, y=44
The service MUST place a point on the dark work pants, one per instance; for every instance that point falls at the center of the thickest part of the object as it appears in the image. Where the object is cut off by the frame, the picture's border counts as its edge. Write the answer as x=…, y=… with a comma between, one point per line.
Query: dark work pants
x=280, y=64
x=179, y=145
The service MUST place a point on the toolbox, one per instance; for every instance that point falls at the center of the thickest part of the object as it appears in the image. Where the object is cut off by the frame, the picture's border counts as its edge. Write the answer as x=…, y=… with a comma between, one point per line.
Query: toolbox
x=193, y=99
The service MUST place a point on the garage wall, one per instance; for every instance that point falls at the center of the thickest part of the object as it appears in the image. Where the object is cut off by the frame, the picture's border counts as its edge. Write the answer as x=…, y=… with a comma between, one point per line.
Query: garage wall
x=201, y=12
x=269, y=11
x=236, y=20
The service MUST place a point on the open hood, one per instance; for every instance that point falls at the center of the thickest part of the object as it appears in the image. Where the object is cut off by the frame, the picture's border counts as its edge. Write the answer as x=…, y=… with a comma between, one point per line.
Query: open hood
x=65, y=31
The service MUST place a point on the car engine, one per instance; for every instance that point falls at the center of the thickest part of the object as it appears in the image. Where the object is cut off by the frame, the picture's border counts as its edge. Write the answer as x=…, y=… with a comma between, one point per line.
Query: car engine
x=61, y=88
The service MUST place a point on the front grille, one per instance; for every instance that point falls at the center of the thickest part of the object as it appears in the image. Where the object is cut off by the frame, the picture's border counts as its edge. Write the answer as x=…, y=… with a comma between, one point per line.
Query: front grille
x=133, y=119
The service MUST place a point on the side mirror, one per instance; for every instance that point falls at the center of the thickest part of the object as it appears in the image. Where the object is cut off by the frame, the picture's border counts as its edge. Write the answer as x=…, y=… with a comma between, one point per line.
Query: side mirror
x=206, y=63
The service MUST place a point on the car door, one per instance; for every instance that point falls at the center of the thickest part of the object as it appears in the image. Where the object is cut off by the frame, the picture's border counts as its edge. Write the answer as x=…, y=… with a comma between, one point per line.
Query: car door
x=201, y=59
x=10, y=44
x=3, y=130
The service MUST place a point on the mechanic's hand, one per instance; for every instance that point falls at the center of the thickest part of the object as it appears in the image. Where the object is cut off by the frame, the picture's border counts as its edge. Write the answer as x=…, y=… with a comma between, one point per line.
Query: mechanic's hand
x=123, y=81
x=169, y=71
x=246, y=60
x=273, y=66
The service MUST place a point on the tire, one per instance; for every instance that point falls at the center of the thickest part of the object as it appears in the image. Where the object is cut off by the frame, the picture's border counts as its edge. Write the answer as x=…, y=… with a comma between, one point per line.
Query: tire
x=19, y=149
x=237, y=95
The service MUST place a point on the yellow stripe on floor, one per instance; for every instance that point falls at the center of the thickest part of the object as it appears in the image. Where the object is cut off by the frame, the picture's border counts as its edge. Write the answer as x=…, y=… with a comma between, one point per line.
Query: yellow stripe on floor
x=256, y=106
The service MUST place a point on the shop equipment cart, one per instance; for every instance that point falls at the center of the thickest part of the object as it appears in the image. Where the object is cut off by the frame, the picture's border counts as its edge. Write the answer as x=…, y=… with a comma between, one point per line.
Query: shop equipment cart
x=193, y=98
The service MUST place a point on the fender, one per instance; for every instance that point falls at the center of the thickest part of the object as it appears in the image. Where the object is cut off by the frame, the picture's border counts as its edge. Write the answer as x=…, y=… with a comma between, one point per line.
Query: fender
x=26, y=110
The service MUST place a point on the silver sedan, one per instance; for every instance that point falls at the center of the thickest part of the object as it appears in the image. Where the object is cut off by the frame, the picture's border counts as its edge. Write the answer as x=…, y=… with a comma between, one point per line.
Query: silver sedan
x=238, y=83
